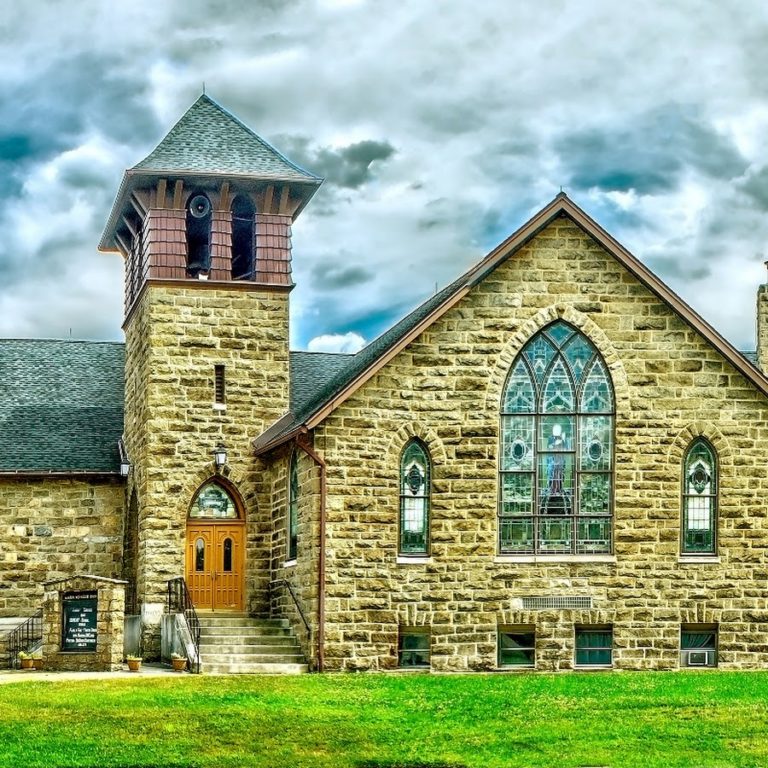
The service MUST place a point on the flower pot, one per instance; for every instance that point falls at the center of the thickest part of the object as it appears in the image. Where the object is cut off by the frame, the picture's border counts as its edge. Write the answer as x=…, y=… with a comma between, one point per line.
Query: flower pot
x=38, y=663
x=179, y=665
x=134, y=665
x=27, y=663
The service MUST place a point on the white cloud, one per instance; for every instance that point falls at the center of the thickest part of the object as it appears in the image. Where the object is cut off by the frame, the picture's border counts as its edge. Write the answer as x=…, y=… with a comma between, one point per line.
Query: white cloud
x=337, y=342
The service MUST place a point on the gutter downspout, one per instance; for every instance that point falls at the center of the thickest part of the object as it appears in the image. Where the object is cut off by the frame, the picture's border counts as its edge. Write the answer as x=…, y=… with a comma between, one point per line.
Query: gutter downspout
x=302, y=442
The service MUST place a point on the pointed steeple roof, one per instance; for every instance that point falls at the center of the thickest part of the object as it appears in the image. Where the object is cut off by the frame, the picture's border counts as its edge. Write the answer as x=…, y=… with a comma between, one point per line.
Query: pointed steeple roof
x=209, y=144
x=208, y=139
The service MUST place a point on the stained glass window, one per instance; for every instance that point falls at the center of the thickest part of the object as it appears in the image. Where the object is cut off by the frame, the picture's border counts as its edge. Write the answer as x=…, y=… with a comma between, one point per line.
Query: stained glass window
x=414, y=499
x=293, y=508
x=213, y=501
x=699, y=499
x=556, y=452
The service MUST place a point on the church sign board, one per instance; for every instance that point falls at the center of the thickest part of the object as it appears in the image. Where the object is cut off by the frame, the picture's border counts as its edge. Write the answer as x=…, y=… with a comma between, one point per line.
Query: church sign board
x=79, y=621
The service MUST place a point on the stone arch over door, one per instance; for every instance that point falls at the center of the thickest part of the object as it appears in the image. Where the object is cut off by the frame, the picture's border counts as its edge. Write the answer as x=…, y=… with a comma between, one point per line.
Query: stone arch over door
x=215, y=547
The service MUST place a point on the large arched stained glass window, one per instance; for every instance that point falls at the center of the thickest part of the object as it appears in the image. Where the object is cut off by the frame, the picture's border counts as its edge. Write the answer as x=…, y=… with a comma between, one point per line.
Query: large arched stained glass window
x=556, y=460
x=699, y=499
x=414, y=499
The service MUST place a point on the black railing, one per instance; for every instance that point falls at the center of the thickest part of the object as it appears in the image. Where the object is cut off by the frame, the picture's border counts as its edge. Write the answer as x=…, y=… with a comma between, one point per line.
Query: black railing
x=287, y=584
x=24, y=638
x=179, y=601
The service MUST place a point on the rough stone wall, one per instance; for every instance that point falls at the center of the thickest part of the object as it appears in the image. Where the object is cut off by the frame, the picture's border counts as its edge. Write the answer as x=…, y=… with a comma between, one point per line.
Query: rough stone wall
x=302, y=574
x=53, y=528
x=445, y=388
x=110, y=607
x=174, y=338
x=762, y=328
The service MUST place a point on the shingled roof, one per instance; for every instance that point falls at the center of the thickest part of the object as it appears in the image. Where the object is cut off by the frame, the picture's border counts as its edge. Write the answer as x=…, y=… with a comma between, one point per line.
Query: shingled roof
x=208, y=139
x=307, y=413
x=61, y=406
x=208, y=142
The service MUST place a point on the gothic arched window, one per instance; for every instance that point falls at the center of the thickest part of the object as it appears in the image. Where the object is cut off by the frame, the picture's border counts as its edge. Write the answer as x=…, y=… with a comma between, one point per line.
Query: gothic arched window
x=414, y=499
x=699, y=499
x=293, y=508
x=556, y=464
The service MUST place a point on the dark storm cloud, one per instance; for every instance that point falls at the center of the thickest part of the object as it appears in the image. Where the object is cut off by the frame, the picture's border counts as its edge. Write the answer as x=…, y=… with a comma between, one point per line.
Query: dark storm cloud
x=348, y=167
x=332, y=276
x=648, y=155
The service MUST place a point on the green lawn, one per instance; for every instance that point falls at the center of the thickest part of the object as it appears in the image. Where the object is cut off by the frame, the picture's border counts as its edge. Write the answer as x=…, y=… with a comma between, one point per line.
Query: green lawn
x=386, y=721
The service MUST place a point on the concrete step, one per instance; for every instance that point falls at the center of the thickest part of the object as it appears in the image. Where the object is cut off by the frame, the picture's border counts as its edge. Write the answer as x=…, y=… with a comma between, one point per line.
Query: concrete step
x=289, y=646
x=241, y=645
x=240, y=621
x=233, y=668
x=251, y=658
x=217, y=631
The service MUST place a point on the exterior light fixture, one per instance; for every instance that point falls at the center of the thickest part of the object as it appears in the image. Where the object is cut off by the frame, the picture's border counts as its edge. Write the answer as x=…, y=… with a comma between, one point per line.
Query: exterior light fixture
x=220, y=456
x=125, y=464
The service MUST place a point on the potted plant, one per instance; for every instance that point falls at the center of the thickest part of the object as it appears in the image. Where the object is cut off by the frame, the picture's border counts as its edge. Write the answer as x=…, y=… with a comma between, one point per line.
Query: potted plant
x=37, y=660
x=178, y=662
x=134, y=663
x=25, y=660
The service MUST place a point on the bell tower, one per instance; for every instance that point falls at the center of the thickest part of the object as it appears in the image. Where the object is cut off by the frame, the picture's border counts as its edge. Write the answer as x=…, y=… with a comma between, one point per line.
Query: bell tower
x=204, y=226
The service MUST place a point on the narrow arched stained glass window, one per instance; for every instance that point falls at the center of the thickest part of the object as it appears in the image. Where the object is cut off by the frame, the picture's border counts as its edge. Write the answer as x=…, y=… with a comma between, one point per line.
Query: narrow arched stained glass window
x=293, y=508
x=556, y=462
x=415, y=483
x=699, y=499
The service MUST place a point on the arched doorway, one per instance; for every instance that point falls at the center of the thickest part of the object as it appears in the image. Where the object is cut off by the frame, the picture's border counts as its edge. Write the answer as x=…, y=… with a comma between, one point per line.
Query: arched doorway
x=215, y=549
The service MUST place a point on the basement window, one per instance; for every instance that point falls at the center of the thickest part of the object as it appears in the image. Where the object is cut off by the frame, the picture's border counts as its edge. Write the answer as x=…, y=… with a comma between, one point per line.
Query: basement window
x=413, y=648
x=698, y=645
x=594, y=646
x=517, y=647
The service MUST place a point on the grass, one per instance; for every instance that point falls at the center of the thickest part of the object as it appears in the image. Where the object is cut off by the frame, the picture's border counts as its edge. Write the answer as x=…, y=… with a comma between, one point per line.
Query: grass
x=648, y=720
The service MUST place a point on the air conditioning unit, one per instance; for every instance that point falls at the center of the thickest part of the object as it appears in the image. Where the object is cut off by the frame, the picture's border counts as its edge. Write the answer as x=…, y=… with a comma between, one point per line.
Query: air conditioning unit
x=698, y=658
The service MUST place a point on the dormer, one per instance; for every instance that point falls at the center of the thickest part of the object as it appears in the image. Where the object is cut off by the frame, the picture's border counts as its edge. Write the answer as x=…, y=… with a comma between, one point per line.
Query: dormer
x=213, y=202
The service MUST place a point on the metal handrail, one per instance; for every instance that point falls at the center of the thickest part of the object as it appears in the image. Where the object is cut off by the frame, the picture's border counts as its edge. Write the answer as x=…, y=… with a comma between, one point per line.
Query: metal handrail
x=24, y=637
x=180, y=601
x=287, y=584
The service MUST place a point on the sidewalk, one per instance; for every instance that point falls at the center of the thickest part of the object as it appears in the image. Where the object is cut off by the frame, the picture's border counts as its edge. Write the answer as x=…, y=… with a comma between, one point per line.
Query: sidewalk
x=33, y=676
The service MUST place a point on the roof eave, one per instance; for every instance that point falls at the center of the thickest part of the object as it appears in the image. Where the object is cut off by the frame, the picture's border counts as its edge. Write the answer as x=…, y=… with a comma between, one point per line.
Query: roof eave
x=558, y=206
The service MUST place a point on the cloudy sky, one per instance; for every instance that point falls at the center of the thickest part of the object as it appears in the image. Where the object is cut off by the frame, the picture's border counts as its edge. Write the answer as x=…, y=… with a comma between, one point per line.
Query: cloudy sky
x=440, y=127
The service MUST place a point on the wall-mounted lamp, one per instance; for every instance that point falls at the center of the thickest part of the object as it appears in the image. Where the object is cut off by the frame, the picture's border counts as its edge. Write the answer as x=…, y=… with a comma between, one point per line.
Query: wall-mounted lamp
x=220, y=456
x=125, y=465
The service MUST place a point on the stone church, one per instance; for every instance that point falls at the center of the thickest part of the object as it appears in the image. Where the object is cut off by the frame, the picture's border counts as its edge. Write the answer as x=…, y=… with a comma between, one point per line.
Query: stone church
x=553, y=463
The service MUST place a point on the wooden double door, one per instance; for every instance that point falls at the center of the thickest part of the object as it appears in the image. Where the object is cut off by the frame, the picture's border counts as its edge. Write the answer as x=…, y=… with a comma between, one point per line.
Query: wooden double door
x=216, y=565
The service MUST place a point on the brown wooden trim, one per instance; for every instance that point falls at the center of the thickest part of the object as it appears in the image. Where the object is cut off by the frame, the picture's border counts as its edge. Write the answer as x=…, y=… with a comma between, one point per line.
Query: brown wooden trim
x=160, y=200
x=284, y=195
x=178, y=191
x=268, y=195
x=122, y=245
x=138, y=204
x=131, y=228
x=224, y=197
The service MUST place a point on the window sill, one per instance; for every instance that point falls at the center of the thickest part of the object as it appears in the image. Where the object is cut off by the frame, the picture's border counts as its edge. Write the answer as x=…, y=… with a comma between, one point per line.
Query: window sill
x=698, y=559
x=592, y=667
x=219, y=407
x=289, y=563
x=554, y=559
x=420, y=560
